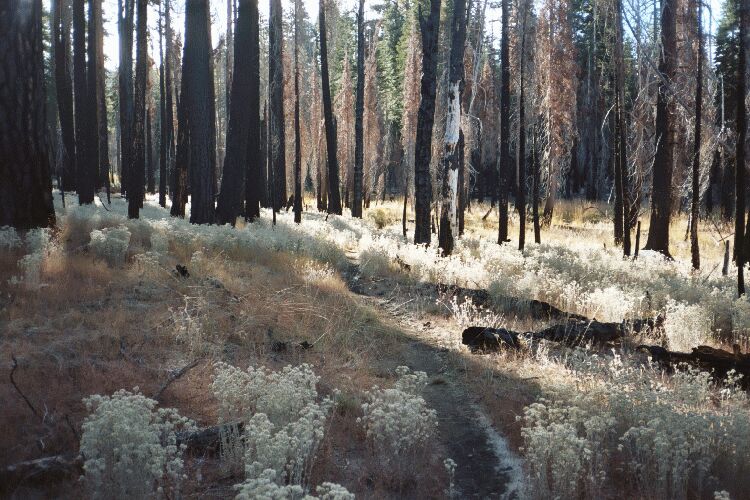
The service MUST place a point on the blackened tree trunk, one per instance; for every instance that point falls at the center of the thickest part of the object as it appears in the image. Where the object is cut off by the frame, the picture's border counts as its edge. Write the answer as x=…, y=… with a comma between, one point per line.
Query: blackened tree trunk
x=98, y=79
x=255, y=176
x=450, y=161
x=202, y=114
x=93, y=96
x=163, y=140
x=521, y=151
x=168, y=100
x=84, y=178
x=182, y=156
x=276, y=144
x=359, y=111
x=535, y=188
x=334, y=193
x=265, y=196
x=26, y=188
x=230, y=203
x=661, y=192
x=150, y=170
x=430, y=28
x=61, y=26
x=742, y=11
x=137, y=175
x=696, y=181
x=126, y=14
x=622, y=198
x=503, y=167
x=297, y=145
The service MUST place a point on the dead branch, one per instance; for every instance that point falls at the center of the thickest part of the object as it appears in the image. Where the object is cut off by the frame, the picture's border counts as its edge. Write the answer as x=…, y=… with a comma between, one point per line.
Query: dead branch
x=18, y=389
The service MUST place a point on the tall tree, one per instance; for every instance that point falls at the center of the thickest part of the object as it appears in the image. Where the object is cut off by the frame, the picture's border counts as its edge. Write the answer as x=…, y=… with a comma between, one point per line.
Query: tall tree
x=97, y=87
x=201, y=112
x=359, y=114
x=622, y=199
x=163, y=139
x=93, y=94
x=83, y=106
x=695, y=257
x=26, y=188
x=521, y=150
x=661, y=191
x=297, y=138
x=125, y=22
x=742, y=12
x=137, y=175
x=255, y=176
x=504, y=165
x=450, y=161
x=276, y=146
x=168, y=100
x=229, y=206
x=61, y=43
x=334, y=191
x=430, y=28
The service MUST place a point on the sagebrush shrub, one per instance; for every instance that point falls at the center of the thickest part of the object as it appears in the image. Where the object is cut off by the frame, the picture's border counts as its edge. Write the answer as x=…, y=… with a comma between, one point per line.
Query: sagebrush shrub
x=130, y=447
x=398, y=420
x=9, y=239
x=111, y=244
x=266, y=487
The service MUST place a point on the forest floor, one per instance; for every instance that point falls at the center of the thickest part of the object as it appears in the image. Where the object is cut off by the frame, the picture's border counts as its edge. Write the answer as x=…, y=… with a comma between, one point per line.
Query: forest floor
x=82, y=319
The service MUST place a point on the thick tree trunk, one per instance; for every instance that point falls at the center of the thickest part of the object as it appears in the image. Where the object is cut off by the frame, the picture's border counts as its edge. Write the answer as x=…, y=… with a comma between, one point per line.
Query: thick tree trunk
x=93, y=97
x=245, y=109
x=163, y=139
x=696, y=181
x=430, y=27
x=137, y=174
x=359, y=111
x=504, y=166
x=739, y=243
x=334, y=193
x=182, y=156
x=276, y=144
x=661, y=192
x=101, y=100
x=26, y=188
x=450, y=161
x=201, y=111
x=125, y=80
x=169, y=99
x=521, y=151
x=61, y=27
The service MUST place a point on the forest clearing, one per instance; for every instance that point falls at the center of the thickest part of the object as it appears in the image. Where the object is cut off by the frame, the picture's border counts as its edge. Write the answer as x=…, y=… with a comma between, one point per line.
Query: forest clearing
x=407, y=249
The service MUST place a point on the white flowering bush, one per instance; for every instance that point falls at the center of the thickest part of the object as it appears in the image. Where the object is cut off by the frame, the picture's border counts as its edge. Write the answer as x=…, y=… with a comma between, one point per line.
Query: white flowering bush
x=265, y=487
x=9, y=239
x=111, y=244
x=686, y=326
x=130, y=447
x=673, y=434
x=467, y=314
x=398, y=420
x=284, y=420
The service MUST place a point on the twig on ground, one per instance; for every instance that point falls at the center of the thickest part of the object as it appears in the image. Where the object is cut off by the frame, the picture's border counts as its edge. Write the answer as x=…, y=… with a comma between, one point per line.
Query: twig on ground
x=175, y=375
x=18, y=389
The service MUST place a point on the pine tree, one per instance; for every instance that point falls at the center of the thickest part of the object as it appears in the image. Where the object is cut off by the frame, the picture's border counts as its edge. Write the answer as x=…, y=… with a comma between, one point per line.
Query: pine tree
x=137, y=174
x=334, y=193
x=26, y=189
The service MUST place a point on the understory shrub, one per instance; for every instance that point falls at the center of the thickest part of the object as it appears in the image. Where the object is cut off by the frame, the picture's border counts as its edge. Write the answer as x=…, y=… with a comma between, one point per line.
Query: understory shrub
x=111, y=244
x=130, y=447
x=397, y=420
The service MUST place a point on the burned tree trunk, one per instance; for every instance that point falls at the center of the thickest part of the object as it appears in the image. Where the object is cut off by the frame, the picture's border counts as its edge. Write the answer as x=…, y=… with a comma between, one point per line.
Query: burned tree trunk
x=334, y=194
x=297, y=145
x=276, y=146
x=430, y=27
x=696, y=180
x=503, y=159
x=61, y=27
x=26, y=189
x=138, y=172
x=125, y=22
x=450, y=161
x=359, y=111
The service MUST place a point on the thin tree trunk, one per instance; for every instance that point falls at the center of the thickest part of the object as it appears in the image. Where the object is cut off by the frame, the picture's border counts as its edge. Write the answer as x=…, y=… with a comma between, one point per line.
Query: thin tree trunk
x=255, y=176
x=521, y=152
x=276, y=144
x=26, y=187
x=126, y=9
x=163, y=140
x=101, y=104
x=430, y=27
x=504, y=166
x=359, y=110
x=334, y=194
x=93, y=101
x=535, y=189
x=739, y=243
x=695, y=206
x=84, y=180
x=297, y=145
x=150, y=171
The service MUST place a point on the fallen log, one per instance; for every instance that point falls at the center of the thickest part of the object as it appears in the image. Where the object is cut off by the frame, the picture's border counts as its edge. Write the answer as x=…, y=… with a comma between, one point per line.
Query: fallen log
x=481, y=297
x=571, y=333
x=709, y=359
x=55, y=468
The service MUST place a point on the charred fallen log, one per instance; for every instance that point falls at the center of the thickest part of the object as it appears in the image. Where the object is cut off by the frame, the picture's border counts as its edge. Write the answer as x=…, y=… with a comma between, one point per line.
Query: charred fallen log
x=63, y=467
x=715, y=361
x=480, y=297
x=571, y=333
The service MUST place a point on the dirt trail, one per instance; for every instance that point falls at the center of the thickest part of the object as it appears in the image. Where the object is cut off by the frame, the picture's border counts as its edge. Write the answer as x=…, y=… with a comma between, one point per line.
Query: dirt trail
x=486, y=468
